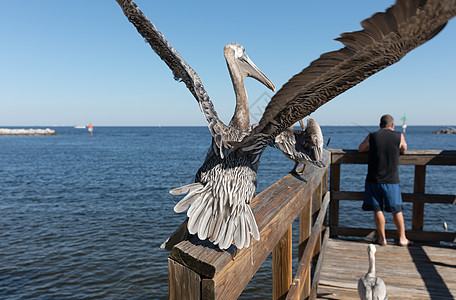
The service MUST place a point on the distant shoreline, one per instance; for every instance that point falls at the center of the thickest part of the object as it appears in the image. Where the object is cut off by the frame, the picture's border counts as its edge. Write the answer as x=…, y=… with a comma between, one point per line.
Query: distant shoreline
x=31, y=131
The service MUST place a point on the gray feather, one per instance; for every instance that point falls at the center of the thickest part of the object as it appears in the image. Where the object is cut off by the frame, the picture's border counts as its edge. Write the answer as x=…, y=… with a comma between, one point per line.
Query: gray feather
x=186, y=188
x=205, y=223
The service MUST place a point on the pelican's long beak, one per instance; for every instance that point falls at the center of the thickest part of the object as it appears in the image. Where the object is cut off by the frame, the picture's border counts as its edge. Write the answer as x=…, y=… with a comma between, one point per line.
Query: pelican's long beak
x=251, y=70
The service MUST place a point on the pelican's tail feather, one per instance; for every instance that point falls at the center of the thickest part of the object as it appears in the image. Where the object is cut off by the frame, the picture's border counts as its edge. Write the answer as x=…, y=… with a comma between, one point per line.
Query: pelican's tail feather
x=194, y=190
x=252, y=223
x=235, y=229
x=221, y=223
x=245, y=225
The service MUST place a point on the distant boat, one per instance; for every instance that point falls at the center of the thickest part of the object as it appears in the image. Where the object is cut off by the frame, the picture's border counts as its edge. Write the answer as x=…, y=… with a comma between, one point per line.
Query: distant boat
x=90, y=129
x=79, y=126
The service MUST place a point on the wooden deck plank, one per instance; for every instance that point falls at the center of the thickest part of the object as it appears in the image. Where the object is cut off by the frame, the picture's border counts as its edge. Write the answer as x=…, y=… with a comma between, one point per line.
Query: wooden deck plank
x=417, y=272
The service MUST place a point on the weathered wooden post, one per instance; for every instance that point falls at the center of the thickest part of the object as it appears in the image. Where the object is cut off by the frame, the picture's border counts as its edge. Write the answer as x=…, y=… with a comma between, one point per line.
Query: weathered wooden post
x=183, y=282
x=419, y=188
x=305, y=227
x=316, y=205
x=334, y=186
x=282, y=268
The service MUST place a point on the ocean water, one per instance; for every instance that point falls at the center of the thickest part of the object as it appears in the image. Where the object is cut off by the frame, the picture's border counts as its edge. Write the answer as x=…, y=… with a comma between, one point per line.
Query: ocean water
x=82, y=217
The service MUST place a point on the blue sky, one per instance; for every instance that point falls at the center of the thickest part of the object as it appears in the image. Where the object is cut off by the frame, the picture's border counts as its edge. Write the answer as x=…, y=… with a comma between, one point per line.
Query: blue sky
x=80, y=62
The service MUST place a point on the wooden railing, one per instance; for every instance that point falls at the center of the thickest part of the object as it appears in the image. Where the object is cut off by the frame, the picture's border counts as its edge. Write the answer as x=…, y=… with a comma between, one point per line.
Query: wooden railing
x=199, y=270
x=420, y=159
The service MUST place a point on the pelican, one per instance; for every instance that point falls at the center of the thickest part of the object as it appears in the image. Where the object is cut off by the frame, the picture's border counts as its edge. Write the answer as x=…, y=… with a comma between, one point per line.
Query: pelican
x=301, y=146
x=371, y=287
x=240, y=66
x=226, y=182
x=227, y=217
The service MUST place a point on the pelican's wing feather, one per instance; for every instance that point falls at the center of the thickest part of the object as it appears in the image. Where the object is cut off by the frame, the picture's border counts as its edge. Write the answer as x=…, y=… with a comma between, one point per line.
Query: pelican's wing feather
x=285, y=142
x=181, y=70
x=384, y=40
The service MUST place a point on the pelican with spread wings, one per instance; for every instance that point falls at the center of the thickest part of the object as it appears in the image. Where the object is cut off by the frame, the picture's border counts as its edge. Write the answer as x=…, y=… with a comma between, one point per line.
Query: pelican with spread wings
x=226, y=182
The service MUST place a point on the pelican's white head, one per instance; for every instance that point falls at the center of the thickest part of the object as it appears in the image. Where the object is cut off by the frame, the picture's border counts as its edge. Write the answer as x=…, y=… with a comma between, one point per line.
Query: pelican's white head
x=238, y=49
x=235, y=53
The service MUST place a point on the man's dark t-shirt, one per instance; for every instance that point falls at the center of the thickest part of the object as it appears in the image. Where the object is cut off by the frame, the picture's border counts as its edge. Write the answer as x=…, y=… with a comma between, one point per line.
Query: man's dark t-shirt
x=384, y=156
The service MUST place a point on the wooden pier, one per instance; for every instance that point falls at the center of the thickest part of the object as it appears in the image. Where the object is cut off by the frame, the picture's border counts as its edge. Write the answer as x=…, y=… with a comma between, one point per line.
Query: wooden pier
x=426, y=270
x=418, y=272
x=199, y=270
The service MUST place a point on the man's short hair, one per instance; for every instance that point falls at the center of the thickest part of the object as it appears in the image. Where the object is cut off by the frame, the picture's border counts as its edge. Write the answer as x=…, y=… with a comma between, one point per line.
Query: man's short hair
x=386, y=121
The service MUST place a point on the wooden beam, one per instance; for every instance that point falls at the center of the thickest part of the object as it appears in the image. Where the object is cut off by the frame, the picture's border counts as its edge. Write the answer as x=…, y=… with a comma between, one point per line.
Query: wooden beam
x=282, y=267
x=406, y=197
x=316, y=205
x=418, y=207
x=411, y=157
x=325, y=181
x=183, y=282
x=321, y=258
x=425, y=236
x=334, y=180
x=324, y=188
x=334, y=186
x=305, y=227
x=304, y=264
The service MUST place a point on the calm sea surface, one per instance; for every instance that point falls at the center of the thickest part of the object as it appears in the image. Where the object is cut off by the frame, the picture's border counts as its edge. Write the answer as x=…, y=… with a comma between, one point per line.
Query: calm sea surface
x=82, y=217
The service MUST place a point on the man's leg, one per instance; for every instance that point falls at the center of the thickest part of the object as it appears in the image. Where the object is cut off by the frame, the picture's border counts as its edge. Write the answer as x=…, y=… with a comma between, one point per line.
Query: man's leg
x=399, y=222
x=380, y=224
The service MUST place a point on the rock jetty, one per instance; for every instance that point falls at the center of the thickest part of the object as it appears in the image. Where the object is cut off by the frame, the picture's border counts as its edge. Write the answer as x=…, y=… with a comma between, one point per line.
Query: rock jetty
x=31, y=131
x=445, y=131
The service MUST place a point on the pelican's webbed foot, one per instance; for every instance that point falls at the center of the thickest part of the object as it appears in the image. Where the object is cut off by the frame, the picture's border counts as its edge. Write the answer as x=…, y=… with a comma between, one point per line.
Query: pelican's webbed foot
x=295, y=169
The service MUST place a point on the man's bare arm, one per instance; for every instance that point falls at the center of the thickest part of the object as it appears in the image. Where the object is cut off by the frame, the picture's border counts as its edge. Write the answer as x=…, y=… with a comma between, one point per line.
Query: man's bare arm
x=403, y=145
x=364, y=146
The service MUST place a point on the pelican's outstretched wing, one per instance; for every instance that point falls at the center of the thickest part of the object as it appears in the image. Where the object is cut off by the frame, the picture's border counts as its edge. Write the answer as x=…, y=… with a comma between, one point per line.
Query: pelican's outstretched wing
x=181, y=70
x=385, y=39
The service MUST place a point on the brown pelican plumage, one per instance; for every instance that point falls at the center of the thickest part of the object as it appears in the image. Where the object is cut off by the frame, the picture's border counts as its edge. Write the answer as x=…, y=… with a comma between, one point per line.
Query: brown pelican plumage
x=227, y=216
x=371, y=287
x=301, y=146
x=240, y=66
x=225, y=186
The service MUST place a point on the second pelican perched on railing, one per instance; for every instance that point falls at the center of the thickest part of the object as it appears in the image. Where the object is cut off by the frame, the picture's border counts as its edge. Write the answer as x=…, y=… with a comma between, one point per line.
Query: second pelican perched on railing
x=226, y=182
x=301, y=146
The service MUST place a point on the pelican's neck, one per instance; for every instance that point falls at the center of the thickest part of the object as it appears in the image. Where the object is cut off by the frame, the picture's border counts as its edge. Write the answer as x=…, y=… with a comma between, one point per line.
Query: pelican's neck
x=240, y=118
x=371, y=270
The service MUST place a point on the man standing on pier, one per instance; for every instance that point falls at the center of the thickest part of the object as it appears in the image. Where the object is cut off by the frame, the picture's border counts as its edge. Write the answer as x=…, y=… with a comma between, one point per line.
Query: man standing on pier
x=382, y=190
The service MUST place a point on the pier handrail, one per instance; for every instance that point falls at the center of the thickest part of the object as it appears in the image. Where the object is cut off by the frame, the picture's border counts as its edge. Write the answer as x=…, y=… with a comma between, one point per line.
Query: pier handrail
x=420, y=159
x=199, y=270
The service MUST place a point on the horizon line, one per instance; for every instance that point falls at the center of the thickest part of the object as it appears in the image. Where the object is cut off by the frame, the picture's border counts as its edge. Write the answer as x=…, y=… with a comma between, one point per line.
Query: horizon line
x=352, y=125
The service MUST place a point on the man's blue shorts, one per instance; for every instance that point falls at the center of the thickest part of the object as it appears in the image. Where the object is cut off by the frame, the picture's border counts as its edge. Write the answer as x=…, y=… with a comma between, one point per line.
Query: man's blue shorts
x=382, y=196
